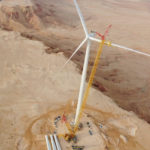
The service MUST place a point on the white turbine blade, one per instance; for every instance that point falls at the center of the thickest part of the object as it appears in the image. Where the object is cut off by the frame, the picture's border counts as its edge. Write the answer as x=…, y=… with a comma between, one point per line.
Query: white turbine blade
x=120, y=46
x=81, y=44
x=81, y=17
x=48, y=143
x=57, y=142
x=53, y=143
x=130, y=49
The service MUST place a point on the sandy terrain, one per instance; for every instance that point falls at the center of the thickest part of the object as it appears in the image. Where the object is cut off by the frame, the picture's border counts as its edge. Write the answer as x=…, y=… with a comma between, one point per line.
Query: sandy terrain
x=122, y=75
x=33, y=92
x=15, y=2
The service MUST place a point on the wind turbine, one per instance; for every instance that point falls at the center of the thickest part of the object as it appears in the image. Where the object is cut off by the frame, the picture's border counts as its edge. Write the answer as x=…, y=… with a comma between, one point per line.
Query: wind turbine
x=88, y=38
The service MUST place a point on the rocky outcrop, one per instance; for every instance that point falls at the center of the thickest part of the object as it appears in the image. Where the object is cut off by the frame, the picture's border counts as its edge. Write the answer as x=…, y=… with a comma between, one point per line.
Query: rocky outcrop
x=19, y=18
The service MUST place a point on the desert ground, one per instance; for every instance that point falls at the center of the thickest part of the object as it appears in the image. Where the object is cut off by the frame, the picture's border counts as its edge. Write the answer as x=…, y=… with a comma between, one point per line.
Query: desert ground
x=37, y=37
x=34, y=91
x=122, y=75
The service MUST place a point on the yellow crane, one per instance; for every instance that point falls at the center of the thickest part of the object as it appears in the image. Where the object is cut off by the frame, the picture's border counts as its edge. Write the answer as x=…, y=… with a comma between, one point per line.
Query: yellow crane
x=72, y=131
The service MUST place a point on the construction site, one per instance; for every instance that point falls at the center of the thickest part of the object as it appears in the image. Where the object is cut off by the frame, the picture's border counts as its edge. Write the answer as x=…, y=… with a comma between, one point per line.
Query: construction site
x=74, y=75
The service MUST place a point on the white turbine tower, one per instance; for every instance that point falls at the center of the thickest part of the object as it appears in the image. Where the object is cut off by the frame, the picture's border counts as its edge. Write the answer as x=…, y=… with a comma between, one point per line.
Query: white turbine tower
x=90, y=37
